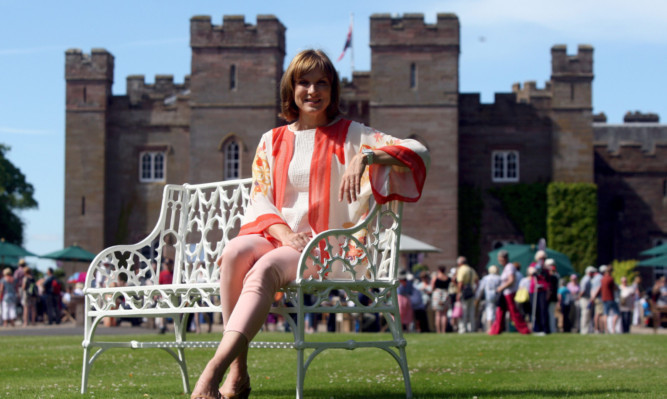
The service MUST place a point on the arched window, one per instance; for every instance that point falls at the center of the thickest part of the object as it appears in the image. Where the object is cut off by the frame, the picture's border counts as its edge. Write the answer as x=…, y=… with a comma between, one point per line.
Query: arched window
x=231, y=168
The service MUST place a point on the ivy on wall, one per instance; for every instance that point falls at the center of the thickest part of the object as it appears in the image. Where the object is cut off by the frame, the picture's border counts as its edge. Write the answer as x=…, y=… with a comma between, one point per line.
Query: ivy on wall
x=470, y=222
x=572, y=222
x=526, y=206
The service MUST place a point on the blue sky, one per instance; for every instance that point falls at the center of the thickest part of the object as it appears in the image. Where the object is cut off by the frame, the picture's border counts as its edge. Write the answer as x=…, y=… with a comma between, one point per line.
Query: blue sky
x=502, y=42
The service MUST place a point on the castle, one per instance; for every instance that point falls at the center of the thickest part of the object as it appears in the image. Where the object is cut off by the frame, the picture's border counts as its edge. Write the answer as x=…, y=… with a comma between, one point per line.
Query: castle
x=122, y=149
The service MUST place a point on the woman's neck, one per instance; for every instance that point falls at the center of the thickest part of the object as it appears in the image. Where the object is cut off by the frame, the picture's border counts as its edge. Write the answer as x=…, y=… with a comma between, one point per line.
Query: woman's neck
x=308, y=122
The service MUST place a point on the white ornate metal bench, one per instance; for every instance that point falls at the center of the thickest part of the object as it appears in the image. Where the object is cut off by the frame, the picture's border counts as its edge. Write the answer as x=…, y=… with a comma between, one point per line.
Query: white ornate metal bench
x=195, y=223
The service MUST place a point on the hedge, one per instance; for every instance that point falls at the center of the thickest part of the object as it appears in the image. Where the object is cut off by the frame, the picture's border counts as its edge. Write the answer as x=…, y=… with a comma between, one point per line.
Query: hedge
x=572, y=222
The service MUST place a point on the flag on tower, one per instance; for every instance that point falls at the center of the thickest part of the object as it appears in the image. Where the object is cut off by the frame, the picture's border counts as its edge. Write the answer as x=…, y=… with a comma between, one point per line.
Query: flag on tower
x=348, y=43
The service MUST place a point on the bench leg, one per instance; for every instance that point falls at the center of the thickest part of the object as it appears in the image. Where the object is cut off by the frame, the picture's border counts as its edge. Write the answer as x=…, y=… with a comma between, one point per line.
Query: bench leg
x=300, y=373
x=85, y=371
x=180, y=330
x=406, y=373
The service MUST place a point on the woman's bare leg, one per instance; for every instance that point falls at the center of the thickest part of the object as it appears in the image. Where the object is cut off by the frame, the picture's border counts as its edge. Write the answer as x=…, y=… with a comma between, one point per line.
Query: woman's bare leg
x=231, y=346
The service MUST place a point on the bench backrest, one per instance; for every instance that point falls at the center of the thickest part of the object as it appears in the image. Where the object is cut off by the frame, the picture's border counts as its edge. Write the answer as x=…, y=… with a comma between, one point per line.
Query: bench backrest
x=195, y=223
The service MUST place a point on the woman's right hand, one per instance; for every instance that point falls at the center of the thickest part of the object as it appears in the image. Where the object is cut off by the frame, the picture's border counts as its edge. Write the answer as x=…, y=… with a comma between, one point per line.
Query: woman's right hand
x=297, y=241
x=287, y=237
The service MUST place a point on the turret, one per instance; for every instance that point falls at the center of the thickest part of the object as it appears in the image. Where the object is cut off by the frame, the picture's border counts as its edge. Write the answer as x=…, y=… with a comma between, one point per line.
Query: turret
x=89, y=78
x=414, y=93
x=572, y=113
x=236, y=71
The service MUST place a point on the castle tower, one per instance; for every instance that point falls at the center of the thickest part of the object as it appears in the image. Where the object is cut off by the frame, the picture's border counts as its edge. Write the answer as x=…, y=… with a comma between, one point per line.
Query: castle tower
x=236, y=71
x=414, y=93
x=572, y=114
x=88, y=89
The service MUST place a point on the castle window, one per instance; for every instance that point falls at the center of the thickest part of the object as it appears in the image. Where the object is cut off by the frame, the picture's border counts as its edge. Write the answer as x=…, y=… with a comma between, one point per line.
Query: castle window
x=664, y=188
x=413, y=76
x=505, y=166
x=232, y=161
x=232, y=77
x=151, y=166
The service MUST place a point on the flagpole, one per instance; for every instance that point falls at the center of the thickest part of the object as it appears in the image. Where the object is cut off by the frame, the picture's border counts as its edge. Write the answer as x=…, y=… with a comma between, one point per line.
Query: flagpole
x=352, y=45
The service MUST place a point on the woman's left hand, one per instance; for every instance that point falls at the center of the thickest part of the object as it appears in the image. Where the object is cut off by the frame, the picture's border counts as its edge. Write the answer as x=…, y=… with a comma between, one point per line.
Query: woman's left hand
x=350, y=184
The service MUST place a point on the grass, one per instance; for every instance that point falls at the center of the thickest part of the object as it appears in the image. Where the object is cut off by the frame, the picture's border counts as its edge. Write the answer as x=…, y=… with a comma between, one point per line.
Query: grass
x=442, y=366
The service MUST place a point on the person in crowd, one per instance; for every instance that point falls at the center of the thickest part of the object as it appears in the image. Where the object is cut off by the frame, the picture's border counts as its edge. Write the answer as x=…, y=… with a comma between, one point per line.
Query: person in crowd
x=52, y=297
x=553, y=279
x=585, y=304
x=453, y=292
x=573, y=287
x=565, y=303
x=31, y=292
x=9, y=298
x=599, y=320
x=509, y=284
x=206, y=316
x=487, y=291
x=19, y=275
x=607, y=294
x=418, y=306
x=637, y=313
x=102, y=274
x=466, y=279
x=525, y=307
x=166, y=276
x=78, y=289
x=539, y=289
x=423, y=285
x=659, y=292
x=353, y=159
x=440, y=302
x=404, y=292
x=627, y=296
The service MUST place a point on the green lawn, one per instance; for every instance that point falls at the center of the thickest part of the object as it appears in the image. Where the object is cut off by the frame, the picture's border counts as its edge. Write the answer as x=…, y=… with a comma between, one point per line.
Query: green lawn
x=442, y=366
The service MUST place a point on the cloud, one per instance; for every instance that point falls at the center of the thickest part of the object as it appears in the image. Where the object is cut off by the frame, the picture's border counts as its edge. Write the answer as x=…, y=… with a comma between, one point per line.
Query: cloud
x=31, y=50
x=29, y=132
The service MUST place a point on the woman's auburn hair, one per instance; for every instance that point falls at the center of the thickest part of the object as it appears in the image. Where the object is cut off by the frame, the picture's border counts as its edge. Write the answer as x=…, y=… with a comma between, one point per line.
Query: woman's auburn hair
x=303, y=63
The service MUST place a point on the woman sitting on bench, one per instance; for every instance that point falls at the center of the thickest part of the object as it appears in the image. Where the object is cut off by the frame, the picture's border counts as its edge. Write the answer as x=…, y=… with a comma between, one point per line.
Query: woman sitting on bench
x=308, y=176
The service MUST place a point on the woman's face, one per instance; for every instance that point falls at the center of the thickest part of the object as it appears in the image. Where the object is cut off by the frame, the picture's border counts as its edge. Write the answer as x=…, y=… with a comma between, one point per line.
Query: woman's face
x=312, y=93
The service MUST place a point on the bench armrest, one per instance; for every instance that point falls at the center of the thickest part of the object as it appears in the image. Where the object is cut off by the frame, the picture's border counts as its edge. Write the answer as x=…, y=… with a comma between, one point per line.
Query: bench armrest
x=367, y=252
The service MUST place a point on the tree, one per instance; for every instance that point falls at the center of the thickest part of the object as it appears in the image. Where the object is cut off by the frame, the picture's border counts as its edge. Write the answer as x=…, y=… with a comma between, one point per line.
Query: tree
x=15, y=193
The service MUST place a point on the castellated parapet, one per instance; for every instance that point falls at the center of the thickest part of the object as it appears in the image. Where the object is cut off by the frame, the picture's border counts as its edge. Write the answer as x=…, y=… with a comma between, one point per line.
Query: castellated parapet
x=89, y=78
x=234, y=32
x=411, y=30
x=647, y=139
x=164, y=88
x=98, y=65
x=579, y=65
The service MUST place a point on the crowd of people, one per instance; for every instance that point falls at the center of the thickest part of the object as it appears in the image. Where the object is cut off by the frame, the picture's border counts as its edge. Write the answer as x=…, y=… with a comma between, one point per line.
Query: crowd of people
x=454, y=300
x=29, y=299
x=540, y=302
